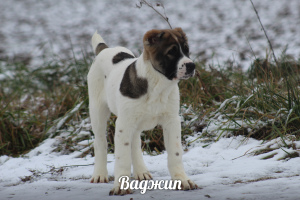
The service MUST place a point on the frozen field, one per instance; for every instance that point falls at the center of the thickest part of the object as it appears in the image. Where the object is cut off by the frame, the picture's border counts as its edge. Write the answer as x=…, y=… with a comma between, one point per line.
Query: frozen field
x=218, y=31
x=224, y=170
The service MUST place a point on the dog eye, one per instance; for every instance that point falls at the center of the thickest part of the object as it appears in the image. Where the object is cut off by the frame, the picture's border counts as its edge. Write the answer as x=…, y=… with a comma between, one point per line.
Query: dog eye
x=173, y=51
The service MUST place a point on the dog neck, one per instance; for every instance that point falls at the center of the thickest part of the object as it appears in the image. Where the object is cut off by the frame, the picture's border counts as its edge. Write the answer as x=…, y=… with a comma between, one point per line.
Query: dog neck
x=159, y=85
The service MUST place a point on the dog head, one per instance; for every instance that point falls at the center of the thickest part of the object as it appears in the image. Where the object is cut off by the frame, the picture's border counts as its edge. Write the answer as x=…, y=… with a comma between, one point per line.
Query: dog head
x=168, y=52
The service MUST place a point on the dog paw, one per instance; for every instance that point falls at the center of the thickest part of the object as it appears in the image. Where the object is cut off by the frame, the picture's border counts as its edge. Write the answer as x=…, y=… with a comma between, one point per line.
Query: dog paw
x=143, y=176
x=118, y=191
x=188, y=185
x=99, y=179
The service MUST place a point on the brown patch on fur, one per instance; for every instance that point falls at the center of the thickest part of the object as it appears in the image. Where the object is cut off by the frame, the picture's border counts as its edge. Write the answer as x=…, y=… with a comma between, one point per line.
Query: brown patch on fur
x=126, y=143
x=121, y=56
x=153, y=37
x=120, y=131
x=133, y=86
x=100, y=47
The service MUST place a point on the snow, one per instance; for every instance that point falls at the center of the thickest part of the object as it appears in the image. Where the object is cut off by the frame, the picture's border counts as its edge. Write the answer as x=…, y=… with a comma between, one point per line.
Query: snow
x=61, y=121
x=218, y=31
x=224, y=170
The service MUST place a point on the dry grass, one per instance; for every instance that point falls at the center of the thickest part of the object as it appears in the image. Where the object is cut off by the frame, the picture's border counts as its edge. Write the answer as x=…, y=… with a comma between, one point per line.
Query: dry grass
x=32, y=101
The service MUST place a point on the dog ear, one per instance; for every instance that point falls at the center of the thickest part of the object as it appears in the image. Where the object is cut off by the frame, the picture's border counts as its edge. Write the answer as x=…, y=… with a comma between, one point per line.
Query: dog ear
x=153, y=37
x=178, y=29
x=183, y=35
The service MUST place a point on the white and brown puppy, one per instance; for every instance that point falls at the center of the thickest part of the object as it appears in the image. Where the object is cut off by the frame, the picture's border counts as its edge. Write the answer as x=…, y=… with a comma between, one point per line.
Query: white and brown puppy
x=143, y=92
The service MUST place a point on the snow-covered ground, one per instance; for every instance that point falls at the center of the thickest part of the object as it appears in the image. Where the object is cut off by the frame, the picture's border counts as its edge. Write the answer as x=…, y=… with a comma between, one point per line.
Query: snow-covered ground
x=224, y=170
x=217, y=30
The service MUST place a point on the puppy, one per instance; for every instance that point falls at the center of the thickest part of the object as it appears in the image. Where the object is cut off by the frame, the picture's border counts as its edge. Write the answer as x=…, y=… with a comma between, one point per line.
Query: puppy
x=143, y=92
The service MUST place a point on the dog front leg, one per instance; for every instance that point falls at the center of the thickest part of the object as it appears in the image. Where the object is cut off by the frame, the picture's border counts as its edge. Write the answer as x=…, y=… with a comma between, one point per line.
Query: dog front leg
x=123, y=142
x=140, y=171
x=172, y=138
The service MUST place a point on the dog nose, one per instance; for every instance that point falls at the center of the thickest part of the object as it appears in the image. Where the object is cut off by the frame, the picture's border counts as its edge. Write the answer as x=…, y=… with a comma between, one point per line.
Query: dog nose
x=190, y=67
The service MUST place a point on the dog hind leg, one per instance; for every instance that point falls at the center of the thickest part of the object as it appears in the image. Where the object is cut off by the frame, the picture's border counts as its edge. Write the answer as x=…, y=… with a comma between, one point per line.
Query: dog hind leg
x=99, y=114
x=99, y=120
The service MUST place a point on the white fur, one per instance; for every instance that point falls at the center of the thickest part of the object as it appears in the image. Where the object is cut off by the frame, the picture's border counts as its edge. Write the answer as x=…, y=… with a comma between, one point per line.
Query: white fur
x=160, y=105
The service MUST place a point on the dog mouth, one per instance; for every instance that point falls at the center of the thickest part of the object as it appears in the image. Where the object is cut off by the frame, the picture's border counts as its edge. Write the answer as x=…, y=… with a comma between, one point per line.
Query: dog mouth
x=185, y=76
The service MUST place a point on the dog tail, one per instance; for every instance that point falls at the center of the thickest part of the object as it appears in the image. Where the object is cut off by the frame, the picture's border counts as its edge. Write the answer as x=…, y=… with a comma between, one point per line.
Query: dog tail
x=98, y=43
